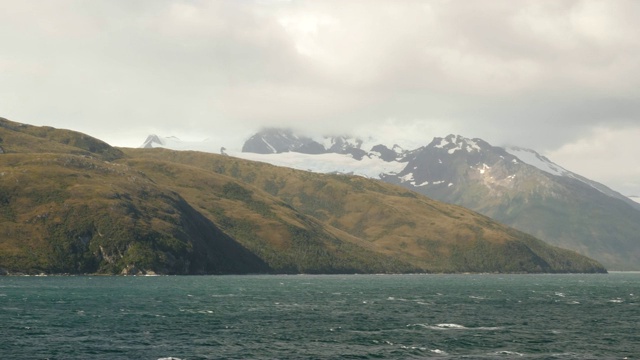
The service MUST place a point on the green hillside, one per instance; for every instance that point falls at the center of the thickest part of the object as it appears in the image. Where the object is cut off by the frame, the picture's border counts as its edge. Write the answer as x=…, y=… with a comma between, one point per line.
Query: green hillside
x=73, y=204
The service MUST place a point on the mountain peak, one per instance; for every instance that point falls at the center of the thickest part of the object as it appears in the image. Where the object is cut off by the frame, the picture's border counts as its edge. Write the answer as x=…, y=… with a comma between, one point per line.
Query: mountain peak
x=151, y=140
x=452, y=143
x=279, y=140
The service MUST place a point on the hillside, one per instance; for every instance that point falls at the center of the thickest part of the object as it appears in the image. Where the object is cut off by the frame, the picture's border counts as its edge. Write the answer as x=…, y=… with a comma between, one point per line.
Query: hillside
x=386, y=219
x=515, y=186
x=73, y=204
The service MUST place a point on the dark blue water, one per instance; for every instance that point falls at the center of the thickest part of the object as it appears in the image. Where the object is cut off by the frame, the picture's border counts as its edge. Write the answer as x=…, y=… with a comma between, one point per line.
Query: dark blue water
x=300, y=317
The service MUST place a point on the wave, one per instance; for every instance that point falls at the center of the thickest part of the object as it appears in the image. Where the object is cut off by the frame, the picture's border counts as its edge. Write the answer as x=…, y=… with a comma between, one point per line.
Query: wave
x=451, y=326
x=507, y=353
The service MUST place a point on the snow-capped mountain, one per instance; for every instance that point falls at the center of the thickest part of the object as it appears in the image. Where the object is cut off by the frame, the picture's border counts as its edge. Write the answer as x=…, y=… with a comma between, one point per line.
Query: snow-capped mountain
x=531, y=157
x=516, y=186
x=277, y=141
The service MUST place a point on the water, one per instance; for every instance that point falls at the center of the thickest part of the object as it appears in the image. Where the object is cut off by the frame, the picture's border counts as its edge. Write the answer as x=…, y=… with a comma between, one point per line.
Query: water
x=301, y=317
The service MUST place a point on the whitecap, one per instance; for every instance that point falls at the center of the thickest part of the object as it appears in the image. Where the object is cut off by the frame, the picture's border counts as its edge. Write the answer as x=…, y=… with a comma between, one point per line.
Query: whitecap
x=449, y=326
x=455, y=327
x=438, y=351
x=618, y=300
x=413, y=348
x=508, y=353
x=477, y=297
x=560, y=294
x=391, y=298
x=489, y=328
x=169, y=358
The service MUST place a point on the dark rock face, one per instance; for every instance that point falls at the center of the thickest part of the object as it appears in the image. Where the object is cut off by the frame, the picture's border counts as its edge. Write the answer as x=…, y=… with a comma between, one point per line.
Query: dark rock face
x=386, y=154
x=275, y=141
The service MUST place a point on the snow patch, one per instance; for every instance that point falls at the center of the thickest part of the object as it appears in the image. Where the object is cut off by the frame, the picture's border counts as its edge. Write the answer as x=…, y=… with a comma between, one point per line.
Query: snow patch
x=327, y=163
x=269, y=145
x=407, y=178
x=484, y=168
x=443, y=143
x=534, y=159
x=466, y=145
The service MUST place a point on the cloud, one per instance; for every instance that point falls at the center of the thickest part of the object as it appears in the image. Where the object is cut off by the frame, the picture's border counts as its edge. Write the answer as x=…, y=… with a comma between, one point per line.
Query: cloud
x=540, y=74
x=607, y=155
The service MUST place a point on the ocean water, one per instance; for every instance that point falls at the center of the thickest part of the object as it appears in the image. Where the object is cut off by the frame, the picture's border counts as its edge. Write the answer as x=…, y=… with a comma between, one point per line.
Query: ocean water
x=321, y=317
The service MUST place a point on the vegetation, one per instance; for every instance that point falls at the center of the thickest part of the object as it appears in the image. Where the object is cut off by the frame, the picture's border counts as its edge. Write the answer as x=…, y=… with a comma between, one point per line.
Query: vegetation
x=72, y=204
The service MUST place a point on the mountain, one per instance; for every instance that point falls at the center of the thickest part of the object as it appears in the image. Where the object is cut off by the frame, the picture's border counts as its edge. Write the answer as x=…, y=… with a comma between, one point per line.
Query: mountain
x=73, y=204
x=277, y=141
x=515, y=186
x=524, y=190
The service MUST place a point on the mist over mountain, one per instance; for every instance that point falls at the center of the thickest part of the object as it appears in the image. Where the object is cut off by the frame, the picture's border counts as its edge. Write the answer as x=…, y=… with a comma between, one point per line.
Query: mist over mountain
x=513, y=185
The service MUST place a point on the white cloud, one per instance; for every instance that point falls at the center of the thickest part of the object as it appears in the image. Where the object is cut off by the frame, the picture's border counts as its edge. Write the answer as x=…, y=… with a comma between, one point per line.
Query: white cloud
x=606, y=155
x=536, y=73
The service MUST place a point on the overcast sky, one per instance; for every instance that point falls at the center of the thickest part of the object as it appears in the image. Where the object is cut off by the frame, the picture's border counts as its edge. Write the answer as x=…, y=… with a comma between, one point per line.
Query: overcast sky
x=561, y=77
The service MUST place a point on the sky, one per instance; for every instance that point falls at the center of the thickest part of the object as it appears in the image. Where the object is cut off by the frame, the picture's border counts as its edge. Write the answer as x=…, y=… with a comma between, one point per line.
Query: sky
x=560, y=76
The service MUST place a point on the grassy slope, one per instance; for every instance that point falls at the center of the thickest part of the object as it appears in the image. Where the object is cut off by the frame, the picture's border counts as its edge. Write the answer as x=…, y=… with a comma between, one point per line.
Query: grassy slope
x=71, y=203
x=428, y=234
